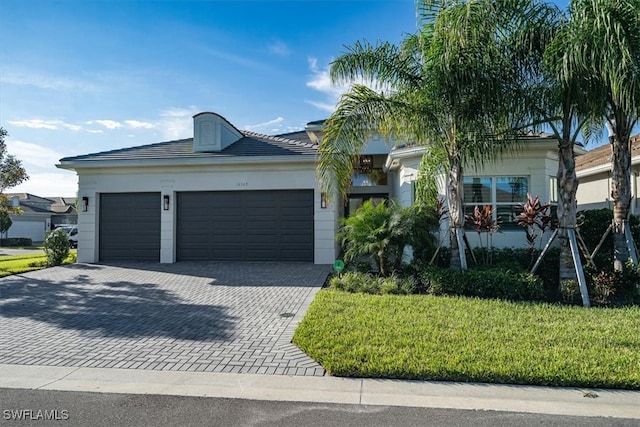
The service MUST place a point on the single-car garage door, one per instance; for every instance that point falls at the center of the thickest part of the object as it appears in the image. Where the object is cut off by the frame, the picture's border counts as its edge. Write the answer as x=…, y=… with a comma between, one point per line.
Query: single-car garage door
x=130, y=227
x=245, y=225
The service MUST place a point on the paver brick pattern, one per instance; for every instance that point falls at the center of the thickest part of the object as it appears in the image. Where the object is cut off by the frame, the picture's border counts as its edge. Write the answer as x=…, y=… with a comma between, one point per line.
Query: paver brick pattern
x=212, y=317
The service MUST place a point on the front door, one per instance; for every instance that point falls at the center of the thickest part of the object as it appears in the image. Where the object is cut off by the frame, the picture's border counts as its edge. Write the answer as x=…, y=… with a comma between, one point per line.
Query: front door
x=354, y=201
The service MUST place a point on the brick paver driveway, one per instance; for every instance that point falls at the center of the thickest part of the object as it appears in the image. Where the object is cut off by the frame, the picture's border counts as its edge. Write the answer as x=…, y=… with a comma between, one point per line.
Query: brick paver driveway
x=215, y=317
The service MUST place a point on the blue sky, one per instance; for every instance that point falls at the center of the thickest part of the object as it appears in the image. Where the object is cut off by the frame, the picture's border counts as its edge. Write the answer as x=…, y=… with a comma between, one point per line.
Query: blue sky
x=84, y=76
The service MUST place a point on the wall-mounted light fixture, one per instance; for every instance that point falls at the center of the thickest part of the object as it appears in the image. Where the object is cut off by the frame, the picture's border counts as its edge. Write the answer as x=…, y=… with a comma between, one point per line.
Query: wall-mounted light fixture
x=165, y=202
x=366, y=163
x=85, y=203
x=323, y=200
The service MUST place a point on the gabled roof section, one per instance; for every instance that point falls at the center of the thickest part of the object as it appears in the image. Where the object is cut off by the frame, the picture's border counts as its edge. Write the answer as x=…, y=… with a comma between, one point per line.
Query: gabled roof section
x=56, y=204
x=601, y=156
x=250, y=145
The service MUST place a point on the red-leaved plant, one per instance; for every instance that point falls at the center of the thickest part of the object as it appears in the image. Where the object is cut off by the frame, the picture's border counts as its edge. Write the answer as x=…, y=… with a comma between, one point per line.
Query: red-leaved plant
x=482, y=222
x=533, y=217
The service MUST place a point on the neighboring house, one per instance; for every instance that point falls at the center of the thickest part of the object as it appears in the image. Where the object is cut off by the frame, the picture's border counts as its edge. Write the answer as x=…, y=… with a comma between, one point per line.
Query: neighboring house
x=594, y=172
x=227, y=194
x=40, y=214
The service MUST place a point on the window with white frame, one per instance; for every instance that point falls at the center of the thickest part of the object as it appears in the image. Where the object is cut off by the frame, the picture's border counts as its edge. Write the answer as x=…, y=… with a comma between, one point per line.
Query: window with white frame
x=503, y=193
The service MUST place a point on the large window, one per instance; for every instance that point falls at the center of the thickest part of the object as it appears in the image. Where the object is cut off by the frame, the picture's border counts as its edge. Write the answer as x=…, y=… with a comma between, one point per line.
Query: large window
x=503, y=193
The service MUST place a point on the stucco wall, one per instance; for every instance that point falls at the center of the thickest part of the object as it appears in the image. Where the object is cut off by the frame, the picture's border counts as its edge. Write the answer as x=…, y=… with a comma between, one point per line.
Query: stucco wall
x=171, y=180
x=594, y=190
x=537, y=162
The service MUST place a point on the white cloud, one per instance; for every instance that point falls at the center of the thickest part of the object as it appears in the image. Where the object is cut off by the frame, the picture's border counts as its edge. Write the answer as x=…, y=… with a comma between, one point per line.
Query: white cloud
x=33, y=155
x=264, y=125
x=322, y=105
x=109, y=124
x=35, y=124
x=72, y=127
x=48, y=184
x=320, y=80
x=138, y=124
x=177, y=123
x=279, y=48
x=44, y=81
x=95, y=131
x=45, y=124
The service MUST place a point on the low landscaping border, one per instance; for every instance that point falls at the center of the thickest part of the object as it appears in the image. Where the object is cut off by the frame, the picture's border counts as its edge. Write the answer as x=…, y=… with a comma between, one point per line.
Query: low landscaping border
x=16, y=264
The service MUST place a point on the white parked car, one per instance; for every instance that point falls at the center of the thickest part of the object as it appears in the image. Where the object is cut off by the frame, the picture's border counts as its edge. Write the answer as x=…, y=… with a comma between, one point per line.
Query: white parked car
x=72, y=233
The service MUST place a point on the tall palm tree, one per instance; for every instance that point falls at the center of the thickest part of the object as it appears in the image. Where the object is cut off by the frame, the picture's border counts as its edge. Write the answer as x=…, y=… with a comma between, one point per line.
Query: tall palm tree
x=607, y=48
x=567, y=104
x=456, y=85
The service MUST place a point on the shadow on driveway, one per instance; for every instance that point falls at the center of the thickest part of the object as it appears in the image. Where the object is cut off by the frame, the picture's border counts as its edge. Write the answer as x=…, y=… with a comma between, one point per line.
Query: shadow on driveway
x=112, y=308
x=241, y=273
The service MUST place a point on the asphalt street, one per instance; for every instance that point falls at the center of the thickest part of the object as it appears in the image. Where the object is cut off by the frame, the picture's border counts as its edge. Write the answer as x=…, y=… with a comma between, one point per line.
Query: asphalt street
x=30, y=407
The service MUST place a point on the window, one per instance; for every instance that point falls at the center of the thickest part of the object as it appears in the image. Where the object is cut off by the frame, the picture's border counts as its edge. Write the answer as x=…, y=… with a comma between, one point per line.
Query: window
x=503, y=193
x=369, y=179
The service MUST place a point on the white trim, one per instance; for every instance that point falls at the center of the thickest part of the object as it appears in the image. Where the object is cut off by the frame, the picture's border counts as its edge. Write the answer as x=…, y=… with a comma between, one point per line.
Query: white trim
x=188, y=161
x=606, y=167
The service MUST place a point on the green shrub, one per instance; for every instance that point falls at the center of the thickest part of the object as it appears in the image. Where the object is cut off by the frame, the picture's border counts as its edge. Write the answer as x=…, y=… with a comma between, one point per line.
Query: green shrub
x=483, y=283
x=56, y=247
x=16, y=241
x=358, y=282
x=593, y=227
x=381, y=231
x=612, y=288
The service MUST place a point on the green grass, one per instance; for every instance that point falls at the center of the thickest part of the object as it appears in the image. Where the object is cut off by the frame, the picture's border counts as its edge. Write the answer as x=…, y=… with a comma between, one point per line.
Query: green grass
x=16, y=264
x=464, y=339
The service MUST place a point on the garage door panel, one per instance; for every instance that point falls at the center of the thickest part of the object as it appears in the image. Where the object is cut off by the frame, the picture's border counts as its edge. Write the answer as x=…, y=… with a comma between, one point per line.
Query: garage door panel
x=245, y=225
x=130, y=226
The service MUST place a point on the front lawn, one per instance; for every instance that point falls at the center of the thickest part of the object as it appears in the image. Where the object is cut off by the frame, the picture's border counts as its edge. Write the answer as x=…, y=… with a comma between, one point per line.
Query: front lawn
x=15, y=264
x=467, y=339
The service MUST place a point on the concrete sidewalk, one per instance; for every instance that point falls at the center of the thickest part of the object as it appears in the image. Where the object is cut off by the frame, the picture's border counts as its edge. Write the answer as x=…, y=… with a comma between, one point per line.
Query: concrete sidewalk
x=427, y=394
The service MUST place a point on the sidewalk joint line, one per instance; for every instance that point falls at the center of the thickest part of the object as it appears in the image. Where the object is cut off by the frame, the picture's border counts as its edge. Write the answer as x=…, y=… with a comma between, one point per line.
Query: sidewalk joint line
x=61, y=378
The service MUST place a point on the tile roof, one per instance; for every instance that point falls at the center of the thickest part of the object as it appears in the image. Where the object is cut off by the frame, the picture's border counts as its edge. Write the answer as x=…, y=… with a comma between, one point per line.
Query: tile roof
x=601, y=155
x=32, y=203
x=250, y=145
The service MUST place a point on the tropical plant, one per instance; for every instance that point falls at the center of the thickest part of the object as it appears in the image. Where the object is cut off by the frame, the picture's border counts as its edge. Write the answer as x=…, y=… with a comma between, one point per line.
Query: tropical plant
x=369, y=231
x=534, y=219
x=482, y=222
x=382, y=231
x=452, y=86
x=606, y=47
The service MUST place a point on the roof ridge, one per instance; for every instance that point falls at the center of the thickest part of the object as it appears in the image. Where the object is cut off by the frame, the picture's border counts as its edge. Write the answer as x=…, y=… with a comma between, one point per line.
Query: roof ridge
x=276, y=138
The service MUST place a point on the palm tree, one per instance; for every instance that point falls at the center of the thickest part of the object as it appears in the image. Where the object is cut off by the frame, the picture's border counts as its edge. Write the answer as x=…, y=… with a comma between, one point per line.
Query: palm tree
x=566, y=105
x=607, y=47
x=454, y=85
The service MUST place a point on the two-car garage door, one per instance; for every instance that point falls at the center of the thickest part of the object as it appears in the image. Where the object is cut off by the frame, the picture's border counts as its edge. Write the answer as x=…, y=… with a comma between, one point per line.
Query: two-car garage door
x=248, y=225
x=210, y=226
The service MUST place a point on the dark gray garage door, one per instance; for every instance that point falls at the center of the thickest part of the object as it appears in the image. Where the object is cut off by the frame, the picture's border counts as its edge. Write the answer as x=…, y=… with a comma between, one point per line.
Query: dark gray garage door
x=245, y=225
x=130, y=227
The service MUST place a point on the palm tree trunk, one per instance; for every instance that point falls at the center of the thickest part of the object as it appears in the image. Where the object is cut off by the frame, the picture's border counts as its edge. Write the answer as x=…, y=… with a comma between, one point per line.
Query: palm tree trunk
x=456, y=212
x=567, y=187
x=621, y=196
